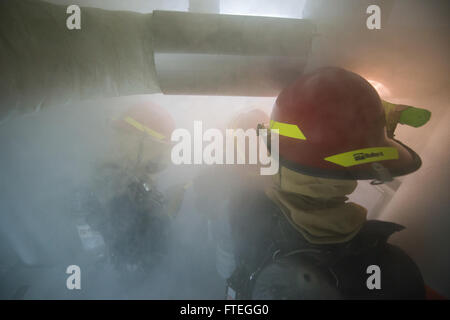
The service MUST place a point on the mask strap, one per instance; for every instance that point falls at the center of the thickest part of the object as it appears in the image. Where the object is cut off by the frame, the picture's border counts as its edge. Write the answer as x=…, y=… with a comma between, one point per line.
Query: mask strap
x=268, y=139
x=382, y=174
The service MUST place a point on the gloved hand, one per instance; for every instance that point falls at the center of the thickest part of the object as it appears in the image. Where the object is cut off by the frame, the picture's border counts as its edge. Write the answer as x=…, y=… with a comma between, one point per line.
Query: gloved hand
x=403, y=114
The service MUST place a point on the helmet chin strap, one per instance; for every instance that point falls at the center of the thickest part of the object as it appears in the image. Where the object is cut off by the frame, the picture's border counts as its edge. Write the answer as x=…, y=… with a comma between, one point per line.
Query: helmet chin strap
x=133, y=170
x=262, y=126
x=382, y=174
x=139, y=155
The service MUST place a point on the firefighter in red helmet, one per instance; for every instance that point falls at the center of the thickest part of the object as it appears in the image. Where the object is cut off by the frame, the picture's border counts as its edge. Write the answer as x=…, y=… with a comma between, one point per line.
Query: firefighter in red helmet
x=332, y=132
x=332, y=124
x=135, y=216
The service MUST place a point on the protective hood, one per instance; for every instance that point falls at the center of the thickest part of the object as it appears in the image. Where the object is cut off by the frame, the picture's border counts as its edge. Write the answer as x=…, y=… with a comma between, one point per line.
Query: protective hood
x=317, y=207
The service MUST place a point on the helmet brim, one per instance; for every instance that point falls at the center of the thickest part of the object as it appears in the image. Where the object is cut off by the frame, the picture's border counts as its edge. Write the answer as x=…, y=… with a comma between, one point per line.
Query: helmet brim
x=408, y=161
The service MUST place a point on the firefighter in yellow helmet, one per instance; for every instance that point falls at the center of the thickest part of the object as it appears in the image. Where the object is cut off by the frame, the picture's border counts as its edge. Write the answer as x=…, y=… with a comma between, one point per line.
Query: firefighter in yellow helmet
x=302, y=239
x=135, y=222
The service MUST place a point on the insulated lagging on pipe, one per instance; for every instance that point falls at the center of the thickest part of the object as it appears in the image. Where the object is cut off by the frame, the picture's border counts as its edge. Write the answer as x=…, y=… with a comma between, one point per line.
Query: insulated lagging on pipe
x=218, y=54
x=118, y=53
x=43, y=63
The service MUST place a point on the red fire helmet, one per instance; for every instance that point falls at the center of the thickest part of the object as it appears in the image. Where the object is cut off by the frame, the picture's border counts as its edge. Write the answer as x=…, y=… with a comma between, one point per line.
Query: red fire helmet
x=332, y=124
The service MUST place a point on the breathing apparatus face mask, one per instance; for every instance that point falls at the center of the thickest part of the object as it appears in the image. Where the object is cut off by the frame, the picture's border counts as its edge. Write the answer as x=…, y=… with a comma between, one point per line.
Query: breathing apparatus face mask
x=145, y=195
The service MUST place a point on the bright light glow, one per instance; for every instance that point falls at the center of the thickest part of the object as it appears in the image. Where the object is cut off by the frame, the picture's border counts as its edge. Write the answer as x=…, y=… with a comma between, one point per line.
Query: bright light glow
x=381, y=88
x=266, y=8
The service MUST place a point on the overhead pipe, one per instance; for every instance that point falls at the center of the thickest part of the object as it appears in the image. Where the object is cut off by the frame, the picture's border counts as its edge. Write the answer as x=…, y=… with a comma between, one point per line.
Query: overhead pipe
x=118, y=53
x=230, y=55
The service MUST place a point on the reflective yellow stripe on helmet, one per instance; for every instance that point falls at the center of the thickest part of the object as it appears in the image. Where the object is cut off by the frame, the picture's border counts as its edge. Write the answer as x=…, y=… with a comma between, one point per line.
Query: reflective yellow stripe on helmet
x=144, y=128
x=360, y=156
x=287, y=130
